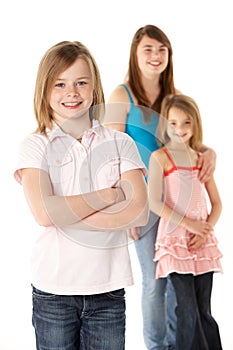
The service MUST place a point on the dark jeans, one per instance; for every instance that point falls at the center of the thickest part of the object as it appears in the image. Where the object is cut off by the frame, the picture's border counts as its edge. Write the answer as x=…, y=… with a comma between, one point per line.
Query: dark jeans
x=196, y=327
x=93, y=322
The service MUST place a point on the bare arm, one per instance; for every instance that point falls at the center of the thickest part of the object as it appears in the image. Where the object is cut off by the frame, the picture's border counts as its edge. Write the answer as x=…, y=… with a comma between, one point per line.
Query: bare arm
x=131, y=212
x=117, y=109
x=215, y=200
x=49, y=209
x=216, y=208
x=206, y=163
x=155, y=186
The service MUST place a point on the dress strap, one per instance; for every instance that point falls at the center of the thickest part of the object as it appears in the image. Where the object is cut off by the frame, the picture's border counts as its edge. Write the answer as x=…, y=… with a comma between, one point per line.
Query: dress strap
x=129, y=94
x=169, y=156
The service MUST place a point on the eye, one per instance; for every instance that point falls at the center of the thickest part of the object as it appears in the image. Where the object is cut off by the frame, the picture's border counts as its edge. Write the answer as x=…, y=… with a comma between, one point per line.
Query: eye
x=148, y=50
x=81, y=83
x=172, y=123
x=59, y=85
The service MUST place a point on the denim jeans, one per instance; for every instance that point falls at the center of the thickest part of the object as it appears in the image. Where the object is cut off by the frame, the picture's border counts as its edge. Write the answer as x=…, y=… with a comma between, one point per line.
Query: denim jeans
x=171, y=315
x=196, y=327
x=157, y=320
x=93, y=322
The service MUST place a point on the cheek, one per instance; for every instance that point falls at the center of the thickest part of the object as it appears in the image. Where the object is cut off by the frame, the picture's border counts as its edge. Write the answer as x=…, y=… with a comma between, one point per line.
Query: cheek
x=90, y=96
x=53, y=98
x=190, y=130
x=141, y=59
x=170, y=129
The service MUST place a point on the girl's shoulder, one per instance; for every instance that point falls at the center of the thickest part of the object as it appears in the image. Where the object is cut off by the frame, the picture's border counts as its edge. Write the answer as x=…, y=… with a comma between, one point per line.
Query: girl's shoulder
x=34, y=138
x=160, y=155
x=114, y=133
x=119, y=94
x=164, y=159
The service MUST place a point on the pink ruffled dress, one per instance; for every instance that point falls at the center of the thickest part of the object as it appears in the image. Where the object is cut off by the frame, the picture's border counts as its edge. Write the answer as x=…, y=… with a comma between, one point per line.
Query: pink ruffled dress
x=184, y=192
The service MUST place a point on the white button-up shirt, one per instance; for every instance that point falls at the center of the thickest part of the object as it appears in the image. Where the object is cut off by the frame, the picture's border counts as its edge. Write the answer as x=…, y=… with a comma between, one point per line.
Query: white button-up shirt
x=67, y=260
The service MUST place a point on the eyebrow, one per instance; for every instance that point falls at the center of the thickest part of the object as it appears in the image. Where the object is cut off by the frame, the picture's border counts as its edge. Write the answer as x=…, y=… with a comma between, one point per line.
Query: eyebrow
x=150, y=45
x=82, y=77
x=175, y=120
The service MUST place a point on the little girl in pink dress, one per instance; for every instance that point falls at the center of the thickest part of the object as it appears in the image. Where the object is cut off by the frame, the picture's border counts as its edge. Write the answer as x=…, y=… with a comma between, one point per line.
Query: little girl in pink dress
x=186, y=249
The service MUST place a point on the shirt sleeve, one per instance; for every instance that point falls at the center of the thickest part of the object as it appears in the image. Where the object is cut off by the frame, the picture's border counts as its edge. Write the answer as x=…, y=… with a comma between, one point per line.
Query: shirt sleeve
x=31, y=154
x=129, y=154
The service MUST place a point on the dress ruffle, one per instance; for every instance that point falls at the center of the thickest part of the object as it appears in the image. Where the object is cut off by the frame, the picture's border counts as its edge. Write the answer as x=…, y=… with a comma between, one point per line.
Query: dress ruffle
x=173, y=255
x=186, y=195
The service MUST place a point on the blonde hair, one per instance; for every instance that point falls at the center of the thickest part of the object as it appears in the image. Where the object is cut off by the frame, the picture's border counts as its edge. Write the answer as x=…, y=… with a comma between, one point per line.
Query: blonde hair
x=188, y=106
x=55, y=61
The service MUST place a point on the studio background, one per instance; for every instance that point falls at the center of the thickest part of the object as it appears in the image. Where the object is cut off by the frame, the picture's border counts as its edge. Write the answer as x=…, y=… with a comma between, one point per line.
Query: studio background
x=201, y=36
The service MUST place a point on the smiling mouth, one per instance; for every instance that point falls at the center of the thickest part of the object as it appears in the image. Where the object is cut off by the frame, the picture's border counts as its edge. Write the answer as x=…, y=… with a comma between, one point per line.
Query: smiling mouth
x=71, y=104
x=155, y=63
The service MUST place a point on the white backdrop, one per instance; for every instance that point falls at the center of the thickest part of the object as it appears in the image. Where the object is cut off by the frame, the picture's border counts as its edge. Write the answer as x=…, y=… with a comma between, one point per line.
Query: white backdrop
x=201, y=36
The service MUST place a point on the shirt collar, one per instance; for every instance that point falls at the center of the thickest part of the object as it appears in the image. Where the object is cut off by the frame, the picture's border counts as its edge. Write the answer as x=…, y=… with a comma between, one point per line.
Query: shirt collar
x=56, y=131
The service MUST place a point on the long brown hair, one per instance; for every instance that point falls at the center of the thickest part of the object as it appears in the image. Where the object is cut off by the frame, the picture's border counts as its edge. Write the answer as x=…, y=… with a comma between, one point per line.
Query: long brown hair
x=55, y=61
x=134, y=74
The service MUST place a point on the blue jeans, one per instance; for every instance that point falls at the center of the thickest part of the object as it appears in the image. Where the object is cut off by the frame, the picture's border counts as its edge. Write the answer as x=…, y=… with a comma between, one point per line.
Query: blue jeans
x=156, y=293
x=196, y=327
x=171, y=315
x=93, y=322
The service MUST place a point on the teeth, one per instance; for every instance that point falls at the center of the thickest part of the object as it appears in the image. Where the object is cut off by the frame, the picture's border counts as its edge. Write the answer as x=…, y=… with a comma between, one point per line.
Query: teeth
x=156, y=63
x=71, y=104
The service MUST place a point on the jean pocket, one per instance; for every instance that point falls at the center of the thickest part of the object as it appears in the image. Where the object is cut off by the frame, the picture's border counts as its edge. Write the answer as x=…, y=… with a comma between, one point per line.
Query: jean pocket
x=118, y=294
x=40, y=294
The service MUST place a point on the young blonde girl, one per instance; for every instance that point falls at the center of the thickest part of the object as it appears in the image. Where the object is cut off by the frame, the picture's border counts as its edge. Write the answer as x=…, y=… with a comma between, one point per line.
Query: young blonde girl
x=186, y=248
x=85, y=187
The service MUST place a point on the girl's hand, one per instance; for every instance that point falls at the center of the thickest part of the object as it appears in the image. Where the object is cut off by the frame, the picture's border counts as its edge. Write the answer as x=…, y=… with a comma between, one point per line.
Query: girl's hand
x=134, y=233
x=206, y=163
x=197, y=227
x=197, y=242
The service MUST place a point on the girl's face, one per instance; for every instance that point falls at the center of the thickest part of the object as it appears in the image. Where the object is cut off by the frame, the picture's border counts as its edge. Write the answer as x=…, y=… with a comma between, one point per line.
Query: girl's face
x=72, y=92
x=180, y=127
x=152, y=56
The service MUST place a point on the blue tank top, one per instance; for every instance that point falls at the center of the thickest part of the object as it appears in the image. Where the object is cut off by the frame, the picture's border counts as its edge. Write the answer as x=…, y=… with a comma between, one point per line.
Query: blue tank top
x=142, y=133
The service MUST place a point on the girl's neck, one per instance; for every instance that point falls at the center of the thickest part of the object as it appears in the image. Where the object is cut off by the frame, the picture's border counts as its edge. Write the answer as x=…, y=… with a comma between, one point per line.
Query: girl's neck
x=182, y=154
x=75, y=126
x=178, y=146
x=151, y=87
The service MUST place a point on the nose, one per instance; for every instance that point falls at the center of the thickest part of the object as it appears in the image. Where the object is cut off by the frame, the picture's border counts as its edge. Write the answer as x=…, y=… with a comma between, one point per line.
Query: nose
x=155, y=52
x=72, y=90
x=179, y=129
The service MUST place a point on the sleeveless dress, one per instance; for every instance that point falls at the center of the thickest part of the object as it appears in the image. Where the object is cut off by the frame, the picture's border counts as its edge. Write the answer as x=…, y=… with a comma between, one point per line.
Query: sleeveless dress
x=184, y=192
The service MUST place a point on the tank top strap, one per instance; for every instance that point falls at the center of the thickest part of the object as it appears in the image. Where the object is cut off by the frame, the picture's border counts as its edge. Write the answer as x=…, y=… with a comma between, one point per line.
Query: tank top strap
x=169, y=156
x=128, y=92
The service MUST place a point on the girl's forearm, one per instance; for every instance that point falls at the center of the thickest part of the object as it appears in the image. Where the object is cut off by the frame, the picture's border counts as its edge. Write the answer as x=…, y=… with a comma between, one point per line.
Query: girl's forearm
x=49, y=209
x=164, y=211
x=72, y=209
x=119, y=216
x=215, y=214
